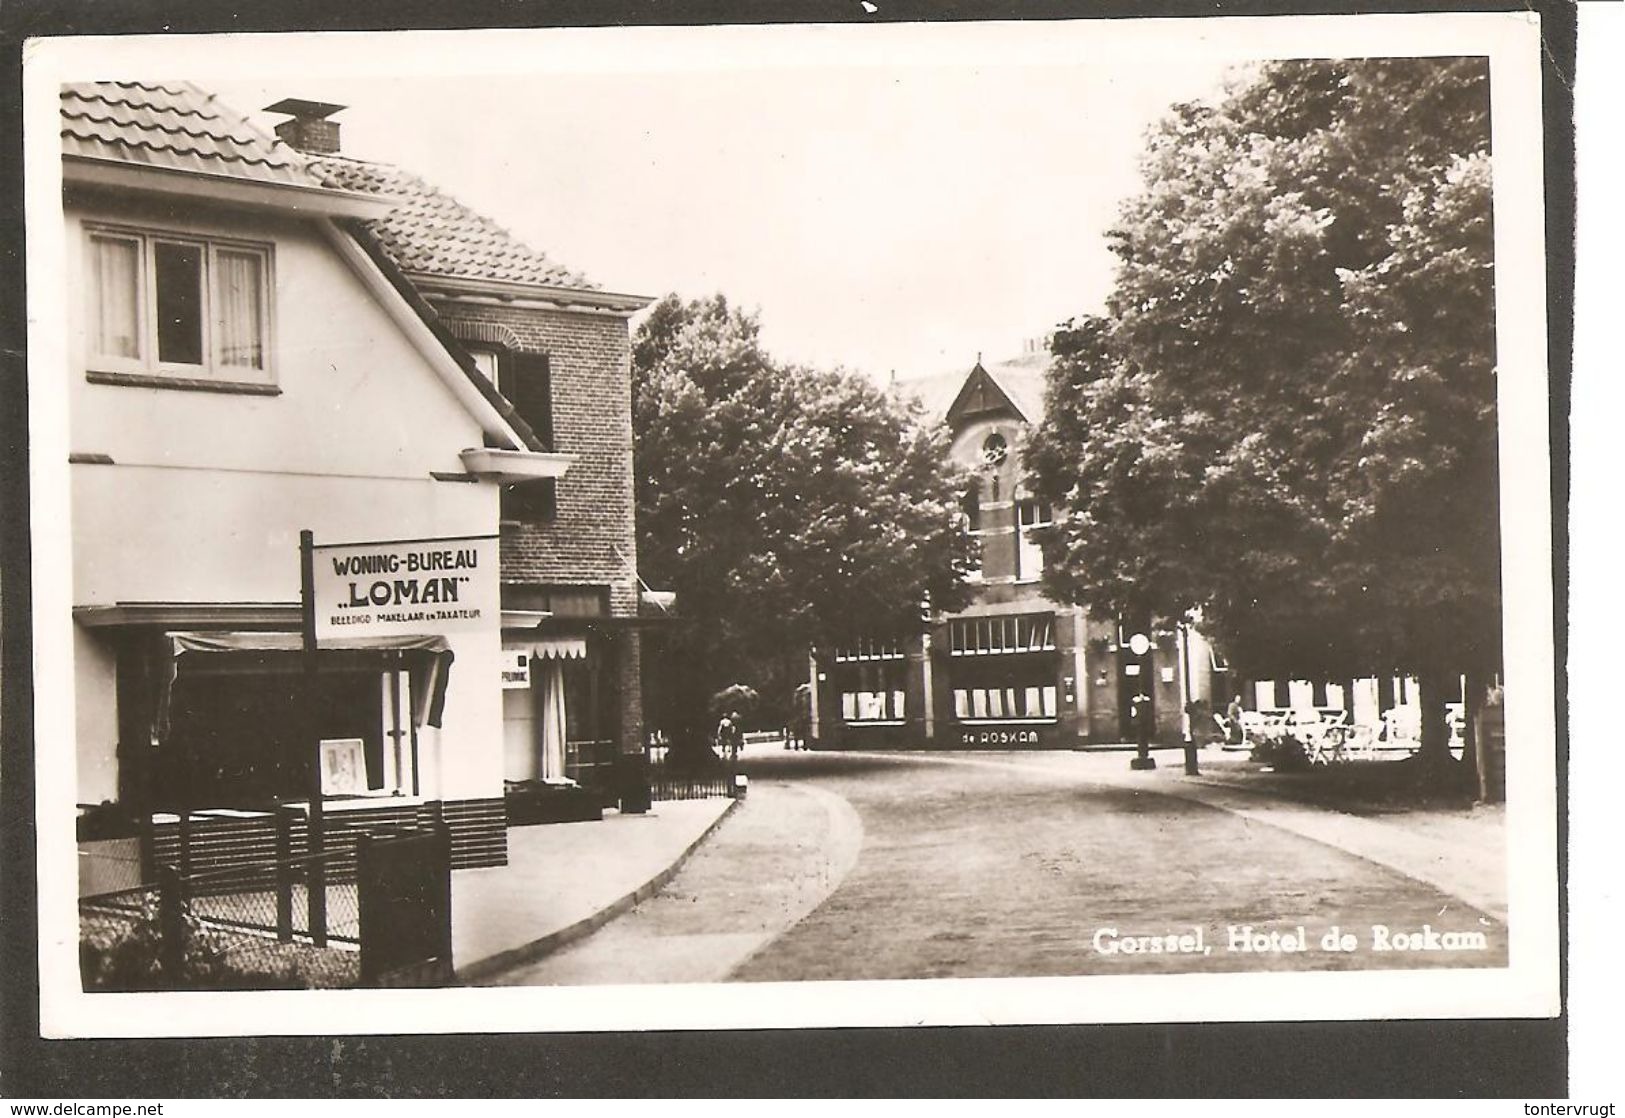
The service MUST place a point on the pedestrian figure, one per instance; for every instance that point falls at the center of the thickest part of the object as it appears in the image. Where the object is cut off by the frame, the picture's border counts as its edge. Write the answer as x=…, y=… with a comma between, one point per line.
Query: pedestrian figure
x=1140, y=716
x=1232, y=721
x=728, y=736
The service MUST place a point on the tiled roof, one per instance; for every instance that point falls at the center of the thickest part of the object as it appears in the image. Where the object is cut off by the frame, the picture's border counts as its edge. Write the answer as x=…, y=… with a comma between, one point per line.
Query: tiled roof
x=173, y=125
x=1021, y=379
x=935, y=392
x=432, y=233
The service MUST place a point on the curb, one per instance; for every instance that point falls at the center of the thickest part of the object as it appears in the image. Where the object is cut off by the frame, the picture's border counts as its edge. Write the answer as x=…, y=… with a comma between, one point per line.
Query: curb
x=493, y=965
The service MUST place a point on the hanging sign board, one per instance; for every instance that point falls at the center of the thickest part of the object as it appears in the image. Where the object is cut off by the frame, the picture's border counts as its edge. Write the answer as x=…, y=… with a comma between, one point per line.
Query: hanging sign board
x=397, y=587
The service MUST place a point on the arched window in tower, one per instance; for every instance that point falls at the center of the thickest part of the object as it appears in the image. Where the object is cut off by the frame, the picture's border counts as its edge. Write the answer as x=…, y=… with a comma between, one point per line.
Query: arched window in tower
x=994, y=452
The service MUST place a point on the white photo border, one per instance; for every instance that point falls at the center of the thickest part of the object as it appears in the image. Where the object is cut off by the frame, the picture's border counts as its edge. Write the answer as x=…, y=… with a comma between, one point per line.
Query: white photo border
x=1526, y=987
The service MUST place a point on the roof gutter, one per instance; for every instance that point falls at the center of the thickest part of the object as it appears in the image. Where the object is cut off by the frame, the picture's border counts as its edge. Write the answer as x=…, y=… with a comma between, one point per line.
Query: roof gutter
x=233, y=190
x=535, y=294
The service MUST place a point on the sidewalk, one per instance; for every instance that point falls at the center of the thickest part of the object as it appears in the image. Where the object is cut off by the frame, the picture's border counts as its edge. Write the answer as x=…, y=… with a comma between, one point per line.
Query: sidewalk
x=783, y=852
x=563, y=880
x=1459, y=851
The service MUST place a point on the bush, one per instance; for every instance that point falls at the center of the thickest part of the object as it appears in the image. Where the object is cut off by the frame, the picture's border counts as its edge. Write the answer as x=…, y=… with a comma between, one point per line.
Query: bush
x=1284, y=753
x=131, y=960
x=736, y=698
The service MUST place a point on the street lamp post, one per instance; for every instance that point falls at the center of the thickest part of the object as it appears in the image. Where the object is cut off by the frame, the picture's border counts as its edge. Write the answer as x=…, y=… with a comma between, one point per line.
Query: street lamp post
x=1140, y=645
x=1184, y=646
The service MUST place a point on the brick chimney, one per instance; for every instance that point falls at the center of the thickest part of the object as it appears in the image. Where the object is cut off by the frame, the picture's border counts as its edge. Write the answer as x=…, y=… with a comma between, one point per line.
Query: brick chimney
x=309, y=129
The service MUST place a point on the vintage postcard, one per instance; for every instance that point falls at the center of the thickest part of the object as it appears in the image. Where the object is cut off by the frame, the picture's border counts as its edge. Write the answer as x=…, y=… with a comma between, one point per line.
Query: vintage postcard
x=792, y=526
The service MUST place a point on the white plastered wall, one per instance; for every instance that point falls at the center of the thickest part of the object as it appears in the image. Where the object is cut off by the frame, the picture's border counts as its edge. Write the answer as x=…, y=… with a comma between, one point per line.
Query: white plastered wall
x=208, y=491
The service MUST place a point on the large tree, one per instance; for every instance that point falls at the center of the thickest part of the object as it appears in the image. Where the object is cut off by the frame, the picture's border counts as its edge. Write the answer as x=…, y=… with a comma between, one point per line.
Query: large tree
x=787, y=507
x=1286, y=417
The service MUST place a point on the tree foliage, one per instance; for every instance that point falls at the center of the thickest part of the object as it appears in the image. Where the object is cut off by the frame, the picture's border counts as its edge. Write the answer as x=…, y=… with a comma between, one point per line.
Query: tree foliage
x=786, y=506
x=1286, y=417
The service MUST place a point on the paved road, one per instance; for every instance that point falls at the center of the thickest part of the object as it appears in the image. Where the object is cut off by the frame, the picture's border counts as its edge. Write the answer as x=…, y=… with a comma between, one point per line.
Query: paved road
x=1001, y=871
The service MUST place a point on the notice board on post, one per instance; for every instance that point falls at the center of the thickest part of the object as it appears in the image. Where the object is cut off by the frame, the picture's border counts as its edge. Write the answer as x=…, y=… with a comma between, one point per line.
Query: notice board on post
x=397, y=587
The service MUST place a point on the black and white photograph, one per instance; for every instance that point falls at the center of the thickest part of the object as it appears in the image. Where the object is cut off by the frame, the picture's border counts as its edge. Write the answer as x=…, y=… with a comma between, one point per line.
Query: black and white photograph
x=792, y=526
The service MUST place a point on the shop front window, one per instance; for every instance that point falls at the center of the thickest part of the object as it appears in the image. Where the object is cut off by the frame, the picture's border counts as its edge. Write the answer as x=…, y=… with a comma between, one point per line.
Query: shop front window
x=874, y=691
x=240, y=737
x=1003, y=668
x=1027, y=697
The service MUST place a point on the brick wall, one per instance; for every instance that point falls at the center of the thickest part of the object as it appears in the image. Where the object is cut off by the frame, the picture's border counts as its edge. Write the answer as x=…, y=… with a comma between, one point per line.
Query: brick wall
x=590, y=358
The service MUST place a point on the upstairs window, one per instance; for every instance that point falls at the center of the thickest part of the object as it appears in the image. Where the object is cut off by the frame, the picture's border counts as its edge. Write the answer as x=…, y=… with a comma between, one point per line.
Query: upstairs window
x=165, y=307
x=489, y=363
x=972, y=509
x=525, y=379
x=1005, y=634
x=1031, y=514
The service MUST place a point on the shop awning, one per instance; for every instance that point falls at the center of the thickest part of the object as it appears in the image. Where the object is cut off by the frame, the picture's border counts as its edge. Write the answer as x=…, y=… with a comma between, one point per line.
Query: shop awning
x=427, y=658
x=550, y=648
x=294, y=642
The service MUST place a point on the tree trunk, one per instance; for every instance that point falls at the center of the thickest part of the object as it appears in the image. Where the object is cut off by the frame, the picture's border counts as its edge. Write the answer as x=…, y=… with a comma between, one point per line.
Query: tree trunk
x=1472, y=702
x=1434, y=691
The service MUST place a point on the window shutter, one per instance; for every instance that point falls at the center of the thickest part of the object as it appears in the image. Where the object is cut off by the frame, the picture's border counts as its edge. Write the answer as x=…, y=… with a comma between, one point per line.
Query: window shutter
x=527, y=381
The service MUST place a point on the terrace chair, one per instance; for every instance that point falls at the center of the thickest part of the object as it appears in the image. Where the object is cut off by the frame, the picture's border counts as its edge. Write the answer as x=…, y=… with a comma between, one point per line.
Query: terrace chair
x=1254, y=728
x=1359, y=740
x=1322, y=740
x=1403, y=727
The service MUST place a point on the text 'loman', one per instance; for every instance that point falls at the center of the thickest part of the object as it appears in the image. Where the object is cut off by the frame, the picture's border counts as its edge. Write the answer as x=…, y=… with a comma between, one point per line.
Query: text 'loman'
x=406, y=591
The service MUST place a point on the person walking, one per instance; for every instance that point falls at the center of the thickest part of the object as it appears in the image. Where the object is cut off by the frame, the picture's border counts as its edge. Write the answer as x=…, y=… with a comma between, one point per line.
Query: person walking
x=1232, y=721
x=728, y=737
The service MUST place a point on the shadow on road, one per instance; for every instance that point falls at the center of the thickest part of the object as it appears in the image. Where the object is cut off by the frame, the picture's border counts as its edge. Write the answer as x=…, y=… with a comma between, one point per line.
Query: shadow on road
x=801, y=764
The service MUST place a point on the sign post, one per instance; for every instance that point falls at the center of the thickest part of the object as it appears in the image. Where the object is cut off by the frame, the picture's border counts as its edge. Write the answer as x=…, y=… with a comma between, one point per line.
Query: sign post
x=382, y=588
x=315, y=828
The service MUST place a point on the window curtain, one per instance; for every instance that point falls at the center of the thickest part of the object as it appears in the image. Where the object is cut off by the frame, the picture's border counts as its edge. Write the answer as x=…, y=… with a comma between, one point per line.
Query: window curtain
x=550, y=684
x=238, y=302
x=118, y=322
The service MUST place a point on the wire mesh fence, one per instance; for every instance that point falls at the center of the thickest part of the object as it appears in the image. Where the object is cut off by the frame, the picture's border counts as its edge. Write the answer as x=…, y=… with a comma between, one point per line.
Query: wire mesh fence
x=276, y=896
x=157, y=938
x=245, y=927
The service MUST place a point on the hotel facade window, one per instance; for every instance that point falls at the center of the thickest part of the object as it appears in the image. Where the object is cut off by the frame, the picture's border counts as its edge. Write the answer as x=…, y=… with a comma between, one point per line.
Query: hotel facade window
x=178, y=307
x=1002, y=668
x=873, y=679
x=1030, y=514
x=973, y=529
